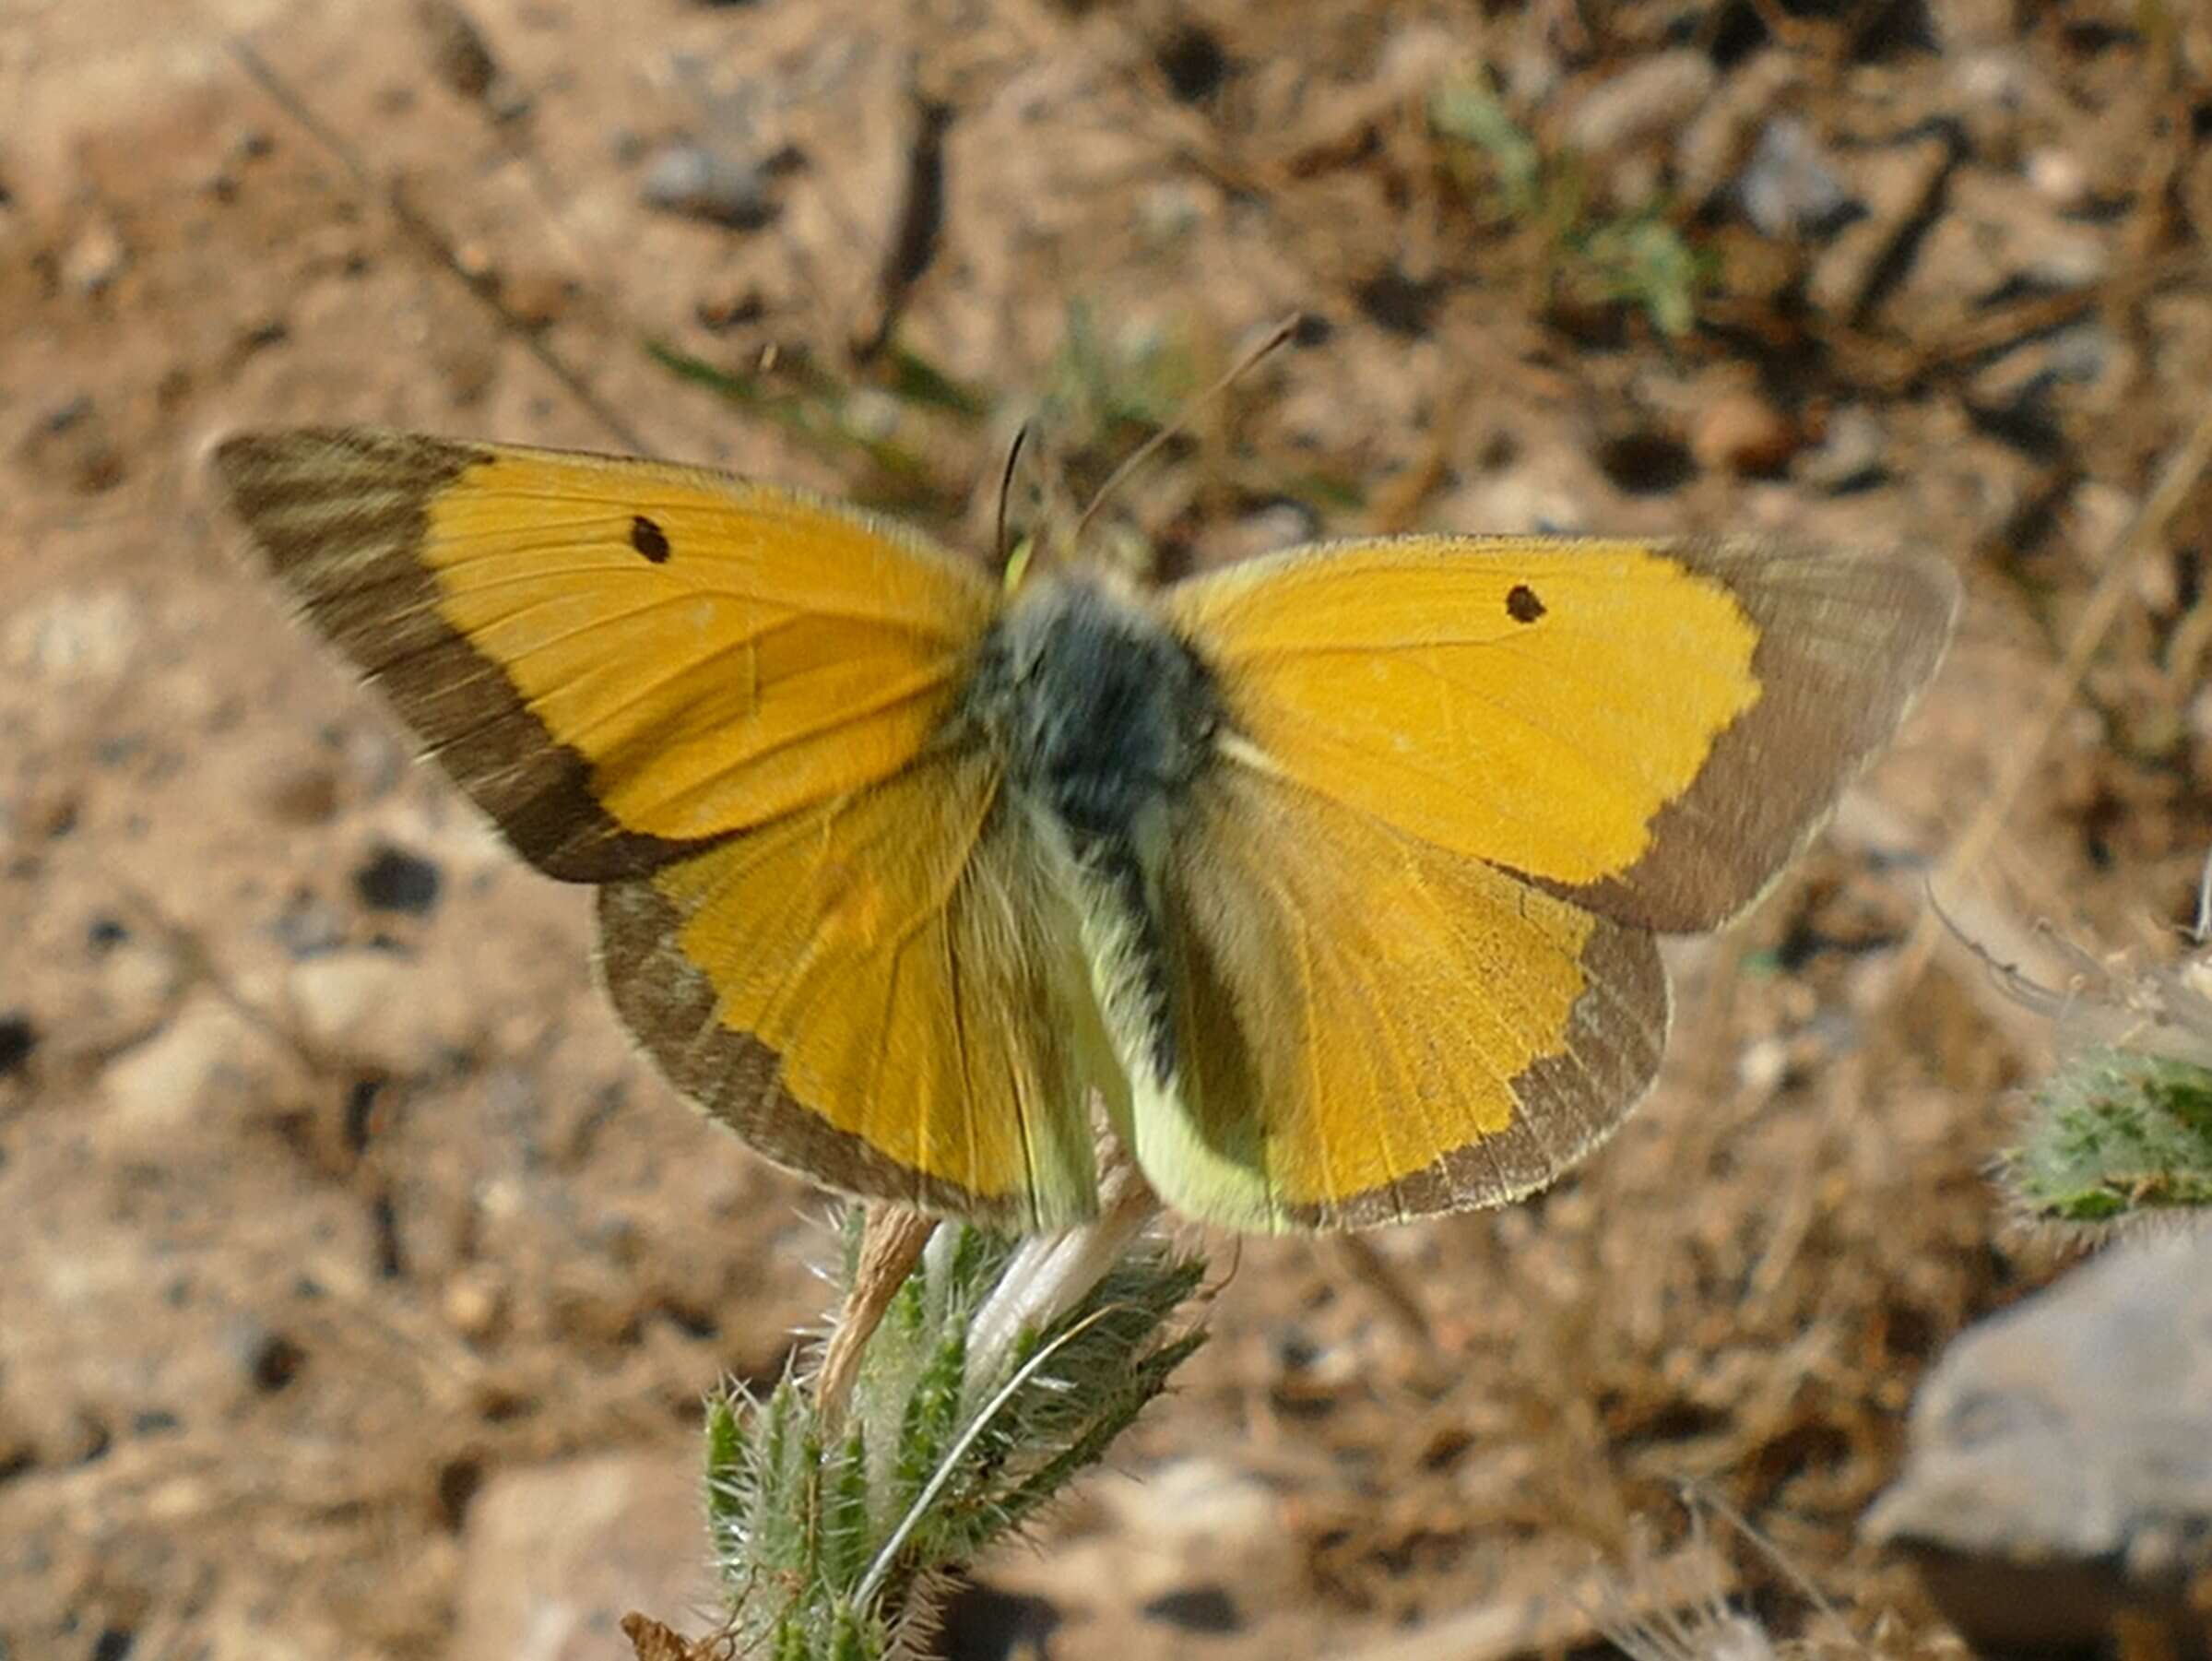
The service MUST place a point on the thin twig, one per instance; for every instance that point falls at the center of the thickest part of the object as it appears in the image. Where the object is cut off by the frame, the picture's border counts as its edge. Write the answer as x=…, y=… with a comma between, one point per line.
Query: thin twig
x=436, y=244
x=891, y=1244
x=1971, y=845
x=1276, y=337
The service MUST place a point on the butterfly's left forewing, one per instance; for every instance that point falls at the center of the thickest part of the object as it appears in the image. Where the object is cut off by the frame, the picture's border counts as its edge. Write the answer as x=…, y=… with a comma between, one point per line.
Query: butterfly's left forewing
x=619, y=661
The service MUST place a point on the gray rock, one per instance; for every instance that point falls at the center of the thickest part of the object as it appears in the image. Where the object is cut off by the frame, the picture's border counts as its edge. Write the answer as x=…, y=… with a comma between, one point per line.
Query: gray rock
x=2059, y=1476
x=1788, y=187
x=701, y=183
x=1849, y=455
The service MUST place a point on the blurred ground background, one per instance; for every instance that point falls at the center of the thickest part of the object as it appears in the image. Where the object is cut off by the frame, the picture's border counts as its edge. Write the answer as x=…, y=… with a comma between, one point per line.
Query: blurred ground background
x=338, y=1222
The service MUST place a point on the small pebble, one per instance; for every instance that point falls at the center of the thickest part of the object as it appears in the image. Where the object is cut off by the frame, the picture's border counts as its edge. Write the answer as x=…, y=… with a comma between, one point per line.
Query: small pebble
x=1787, y=188
x=477, y=260
x=308, y=925
x=373, y=1008
x=1742, y=433
x=268, y=1358
x=536, y=299
x=1763, y=1065
x=95, y=259
x=1849, y=455
x=476, y=1303
x=19, y=1038
x=391, y=879
x=2059, y=177
x=691, y=179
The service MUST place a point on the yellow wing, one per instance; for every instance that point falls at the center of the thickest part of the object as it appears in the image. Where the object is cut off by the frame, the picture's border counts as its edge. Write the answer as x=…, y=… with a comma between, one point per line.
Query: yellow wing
x=1459, y=781
x=618, y=659
x=1373, y=1028
x=735, y=706
x=880, y=993
x=1651, y=728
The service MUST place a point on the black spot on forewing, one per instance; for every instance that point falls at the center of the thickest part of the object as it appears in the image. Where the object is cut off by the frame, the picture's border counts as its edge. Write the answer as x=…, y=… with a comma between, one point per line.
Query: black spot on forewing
x=649, y=539
x=1522, y=604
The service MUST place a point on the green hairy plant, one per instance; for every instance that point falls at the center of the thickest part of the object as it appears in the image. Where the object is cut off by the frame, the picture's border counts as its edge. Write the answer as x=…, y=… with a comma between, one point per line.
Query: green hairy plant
x=2121, y=1129
x=2115, y=1134
x=998, y=1372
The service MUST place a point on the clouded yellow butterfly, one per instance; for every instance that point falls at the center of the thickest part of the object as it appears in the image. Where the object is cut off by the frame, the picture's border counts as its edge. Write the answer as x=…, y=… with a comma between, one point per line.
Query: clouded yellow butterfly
x=1334, y=875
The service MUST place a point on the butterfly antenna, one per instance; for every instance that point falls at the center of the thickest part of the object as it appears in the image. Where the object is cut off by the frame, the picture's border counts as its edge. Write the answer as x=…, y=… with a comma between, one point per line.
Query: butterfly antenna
x=999, y=550
x=1145, y=452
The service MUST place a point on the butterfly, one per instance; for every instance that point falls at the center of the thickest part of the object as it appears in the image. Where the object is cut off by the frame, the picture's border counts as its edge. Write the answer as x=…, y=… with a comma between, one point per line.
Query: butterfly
x=1332, y=877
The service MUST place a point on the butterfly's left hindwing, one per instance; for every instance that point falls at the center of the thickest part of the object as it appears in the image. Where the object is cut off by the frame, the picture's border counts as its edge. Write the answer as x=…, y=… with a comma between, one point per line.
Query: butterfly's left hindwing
x=880, y=993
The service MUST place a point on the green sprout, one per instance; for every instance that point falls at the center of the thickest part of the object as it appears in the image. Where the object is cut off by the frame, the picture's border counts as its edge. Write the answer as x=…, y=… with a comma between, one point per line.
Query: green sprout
x=1638, y=258
x=998, y=1372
